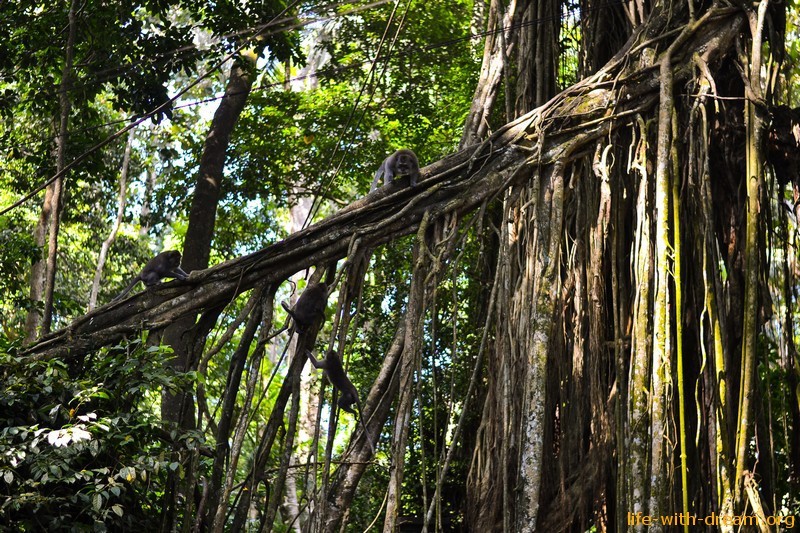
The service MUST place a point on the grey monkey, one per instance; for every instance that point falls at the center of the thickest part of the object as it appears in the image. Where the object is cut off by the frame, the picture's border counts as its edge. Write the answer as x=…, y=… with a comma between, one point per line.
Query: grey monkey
x=164, y=264
x=309, y=306
x=401, y=163
x=332, y=366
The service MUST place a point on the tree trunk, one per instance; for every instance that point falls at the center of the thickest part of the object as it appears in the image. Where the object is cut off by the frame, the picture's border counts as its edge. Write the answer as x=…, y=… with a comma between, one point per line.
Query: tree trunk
x=537, y=231
x=186, y=335
x=754, y=161
x=411, y=347
x=34, y=318
x=636, y=473
x=216, y=506
x=144, y=213
x=499, y=32
x=58, y=185
x=298, y=214
x=202, y=216
x=43, y=274
x=112, y=235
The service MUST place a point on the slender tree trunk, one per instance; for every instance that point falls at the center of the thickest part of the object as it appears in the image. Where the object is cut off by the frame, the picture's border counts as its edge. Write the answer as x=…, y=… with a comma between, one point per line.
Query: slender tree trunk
x=256, y=473
x=43, y=274
x=278, y=481
x=754, y=126
x=641, y=343
x=412, y=346
x=661, y=374
x=533, y=305
x=292, y=504
x=34, y=317
x=112, y=235
x=144, y=213
x=679, y=317
x=203, y=212
x=331, y=509
x=58, y=185
x=717, y=379
x=402, y=417
x=535, y=297
x=216, y=507
x=245, y=416
x=298, y=214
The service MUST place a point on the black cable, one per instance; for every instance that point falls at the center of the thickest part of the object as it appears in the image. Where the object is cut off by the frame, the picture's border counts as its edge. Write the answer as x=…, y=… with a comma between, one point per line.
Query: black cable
x=369, y=79
x=263, y=26
x=408, y=52
x=102, y=76
x=124, y=130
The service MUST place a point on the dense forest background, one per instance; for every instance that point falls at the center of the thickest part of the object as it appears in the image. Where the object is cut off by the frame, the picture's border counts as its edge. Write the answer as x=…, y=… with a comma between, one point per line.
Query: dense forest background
x=584, y=312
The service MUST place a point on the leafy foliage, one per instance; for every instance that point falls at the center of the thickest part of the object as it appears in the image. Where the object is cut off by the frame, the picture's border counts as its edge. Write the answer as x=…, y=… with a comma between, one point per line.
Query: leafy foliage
x=81, y=446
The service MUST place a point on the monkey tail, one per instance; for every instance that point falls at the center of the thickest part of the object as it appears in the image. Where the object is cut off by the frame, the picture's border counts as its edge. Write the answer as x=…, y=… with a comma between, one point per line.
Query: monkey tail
x=376, y=182
x=289, y=311
x=364, y=426
x=127, y=289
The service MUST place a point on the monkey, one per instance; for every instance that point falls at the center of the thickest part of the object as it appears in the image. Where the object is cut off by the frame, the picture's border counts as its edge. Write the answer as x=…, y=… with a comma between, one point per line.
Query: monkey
x=309, y=306
x=402, y=162
x=332, y=366
x=164, y=264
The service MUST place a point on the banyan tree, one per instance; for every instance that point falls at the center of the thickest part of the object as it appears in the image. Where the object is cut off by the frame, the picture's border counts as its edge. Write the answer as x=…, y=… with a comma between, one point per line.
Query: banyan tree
x=602, y=289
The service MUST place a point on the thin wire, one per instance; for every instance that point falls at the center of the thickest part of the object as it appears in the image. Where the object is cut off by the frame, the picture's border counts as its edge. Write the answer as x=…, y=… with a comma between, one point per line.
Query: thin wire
x=105, y=75
x=314, y=208
x=135, y=123
x=369, y=79
x=409, y=51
